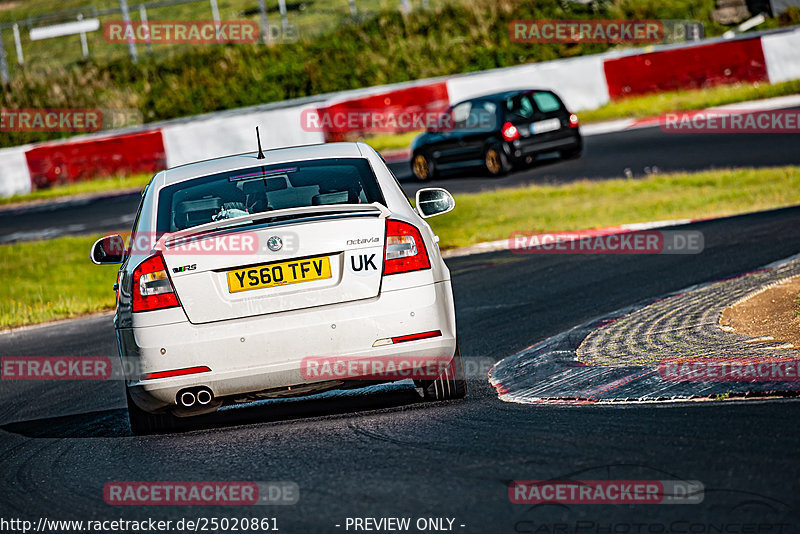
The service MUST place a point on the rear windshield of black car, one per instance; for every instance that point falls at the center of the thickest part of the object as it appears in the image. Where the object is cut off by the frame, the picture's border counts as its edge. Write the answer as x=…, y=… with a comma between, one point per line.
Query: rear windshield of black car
x=266, y=188
x=525, y=105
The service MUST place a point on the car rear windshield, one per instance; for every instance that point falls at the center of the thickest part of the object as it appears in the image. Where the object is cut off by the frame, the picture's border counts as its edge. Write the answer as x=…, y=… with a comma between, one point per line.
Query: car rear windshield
x=265, y=188
x=546, y=102
x=524, y=106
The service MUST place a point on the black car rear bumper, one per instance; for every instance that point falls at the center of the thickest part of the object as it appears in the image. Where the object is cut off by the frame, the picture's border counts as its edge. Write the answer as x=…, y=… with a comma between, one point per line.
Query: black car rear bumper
x=524, y=148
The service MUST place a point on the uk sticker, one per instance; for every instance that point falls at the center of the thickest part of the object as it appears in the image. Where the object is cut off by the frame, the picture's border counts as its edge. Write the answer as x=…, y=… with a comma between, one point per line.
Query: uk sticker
x=364, y=263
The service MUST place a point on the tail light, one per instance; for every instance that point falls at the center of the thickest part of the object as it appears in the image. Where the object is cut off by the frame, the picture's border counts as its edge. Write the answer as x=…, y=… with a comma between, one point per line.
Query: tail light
x=405, y=249
x=152, y=289
x=510, y=132
x=177, y=372
x=573, y=120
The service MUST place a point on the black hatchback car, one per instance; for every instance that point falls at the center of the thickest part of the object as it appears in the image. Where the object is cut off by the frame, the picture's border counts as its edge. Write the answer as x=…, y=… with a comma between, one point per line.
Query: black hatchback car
x=497, y=132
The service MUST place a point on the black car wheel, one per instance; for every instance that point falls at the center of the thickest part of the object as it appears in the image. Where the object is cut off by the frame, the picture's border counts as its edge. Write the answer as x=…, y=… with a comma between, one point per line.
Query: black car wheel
x=422, y=166
x=496, y=162
x=143, y=422
x=572, y=153
x=451, y=384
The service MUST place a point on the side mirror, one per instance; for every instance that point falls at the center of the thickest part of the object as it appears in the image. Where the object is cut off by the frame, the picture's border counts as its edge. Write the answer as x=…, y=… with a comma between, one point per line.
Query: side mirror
x=434, y=201
x=108, y=250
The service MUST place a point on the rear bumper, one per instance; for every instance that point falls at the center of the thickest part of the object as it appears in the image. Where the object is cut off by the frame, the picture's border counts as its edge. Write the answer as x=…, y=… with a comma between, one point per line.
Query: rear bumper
x=568, y=140
x=258, y=353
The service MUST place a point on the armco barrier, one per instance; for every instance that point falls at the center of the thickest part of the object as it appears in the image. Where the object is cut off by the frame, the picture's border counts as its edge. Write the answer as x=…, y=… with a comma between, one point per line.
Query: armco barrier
x=15, y=177
x=424, y=98
x=580, y=82
x=691, y=67
x=213, y=136
x=69, y=162
x=584, y=83
x=782, y=55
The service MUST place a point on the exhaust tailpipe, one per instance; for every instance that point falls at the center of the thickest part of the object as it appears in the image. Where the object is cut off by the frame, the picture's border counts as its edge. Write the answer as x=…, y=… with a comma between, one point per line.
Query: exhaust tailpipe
x=204, y=396
x=187, y=399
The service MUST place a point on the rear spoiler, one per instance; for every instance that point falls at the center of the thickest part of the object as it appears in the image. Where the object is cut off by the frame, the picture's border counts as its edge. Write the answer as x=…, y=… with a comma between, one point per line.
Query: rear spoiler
x=281, y=216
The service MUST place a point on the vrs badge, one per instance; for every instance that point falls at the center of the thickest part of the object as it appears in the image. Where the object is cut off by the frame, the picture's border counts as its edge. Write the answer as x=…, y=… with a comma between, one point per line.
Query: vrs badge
x=274, y=243
x=184, y=268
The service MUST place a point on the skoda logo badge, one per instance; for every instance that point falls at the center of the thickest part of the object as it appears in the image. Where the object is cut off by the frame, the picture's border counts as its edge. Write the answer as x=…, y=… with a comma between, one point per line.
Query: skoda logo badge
x=274, y=243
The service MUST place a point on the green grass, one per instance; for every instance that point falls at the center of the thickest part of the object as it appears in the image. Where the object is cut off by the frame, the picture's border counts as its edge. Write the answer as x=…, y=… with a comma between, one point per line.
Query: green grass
x=650, y=105
x=100, y=185
x=391, y=141
x=54, y=279
x=591, y=204
x=45, y=280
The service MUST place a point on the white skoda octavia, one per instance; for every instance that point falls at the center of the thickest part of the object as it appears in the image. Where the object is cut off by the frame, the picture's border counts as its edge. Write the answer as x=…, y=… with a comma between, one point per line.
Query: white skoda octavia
x=280, y=273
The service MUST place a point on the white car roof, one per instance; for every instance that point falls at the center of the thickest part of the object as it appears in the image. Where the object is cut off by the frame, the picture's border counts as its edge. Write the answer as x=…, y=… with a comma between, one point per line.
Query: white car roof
x=249, y=159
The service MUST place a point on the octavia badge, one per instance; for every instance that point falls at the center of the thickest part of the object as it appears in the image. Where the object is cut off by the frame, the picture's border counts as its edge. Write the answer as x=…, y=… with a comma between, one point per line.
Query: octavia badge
x=274, y=243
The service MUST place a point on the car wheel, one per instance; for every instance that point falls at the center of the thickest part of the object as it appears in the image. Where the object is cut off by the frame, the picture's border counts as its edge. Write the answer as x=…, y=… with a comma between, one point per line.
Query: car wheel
x=572, y=153
x=423, y=167
x=496, y=162
x=143, y=422
x=452, y=384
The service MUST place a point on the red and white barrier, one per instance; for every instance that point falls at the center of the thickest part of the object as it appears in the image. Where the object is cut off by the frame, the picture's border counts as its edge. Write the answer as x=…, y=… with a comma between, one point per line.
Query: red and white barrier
x=341, y=116
x=217, y=135
x=583, y=83
x=580, y=82
x=63, y=162
x=15, y=177
x=695, y=67
x=782, y=56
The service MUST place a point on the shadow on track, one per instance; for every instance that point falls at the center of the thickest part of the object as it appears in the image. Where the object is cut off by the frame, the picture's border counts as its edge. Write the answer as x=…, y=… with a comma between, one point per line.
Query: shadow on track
x=114, y=423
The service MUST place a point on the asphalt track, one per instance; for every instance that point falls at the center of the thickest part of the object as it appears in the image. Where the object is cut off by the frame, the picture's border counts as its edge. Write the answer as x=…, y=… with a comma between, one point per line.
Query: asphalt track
x=385, y=454
x=612, y=155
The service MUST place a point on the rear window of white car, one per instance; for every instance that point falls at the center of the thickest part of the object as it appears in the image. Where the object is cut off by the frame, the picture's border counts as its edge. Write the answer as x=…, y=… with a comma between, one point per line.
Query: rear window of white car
x=266, y=188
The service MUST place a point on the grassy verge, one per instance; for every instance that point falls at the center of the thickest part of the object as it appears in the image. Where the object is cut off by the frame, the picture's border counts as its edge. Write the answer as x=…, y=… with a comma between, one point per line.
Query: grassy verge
x=650, y=105
x=593, y=204
x=385, y=142
x=102, y=185
x=54, y=279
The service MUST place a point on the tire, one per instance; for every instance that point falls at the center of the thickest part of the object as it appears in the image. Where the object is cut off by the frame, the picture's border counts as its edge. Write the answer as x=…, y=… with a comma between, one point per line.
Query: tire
x=143, y=422
x=452, y=384
x=572, y=153
x=496, y=162
x=422, y=167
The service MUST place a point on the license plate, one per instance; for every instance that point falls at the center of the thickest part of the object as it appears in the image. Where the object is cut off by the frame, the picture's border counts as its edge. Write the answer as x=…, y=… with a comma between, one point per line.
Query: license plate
x=549, y=125
x=279, y=274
